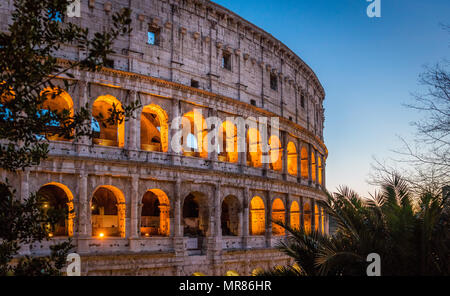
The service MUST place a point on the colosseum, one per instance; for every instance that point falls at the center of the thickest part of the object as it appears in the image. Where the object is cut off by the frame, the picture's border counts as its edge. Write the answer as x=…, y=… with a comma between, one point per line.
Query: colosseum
x=142, y=208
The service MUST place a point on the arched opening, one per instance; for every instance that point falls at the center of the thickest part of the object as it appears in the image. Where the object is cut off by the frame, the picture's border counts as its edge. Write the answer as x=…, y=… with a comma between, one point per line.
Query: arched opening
x=228, y=149
x=257, y=216
x=257, y=271
x=57, y=201
x=230, y=216
x=316, y=218
x=154, y=129
x=105, y=132
x=278, y=215
x=313, y=166
x=254, y=152
x=292, y=159
x=232, y=273
x=304, y=163
x=275, y=154
x=320, y=169
x=195, y=135
x=108, y=212
x=195, y=215
x=155, y=217
x=307, y=217
x=58, y=104
x=295, y=215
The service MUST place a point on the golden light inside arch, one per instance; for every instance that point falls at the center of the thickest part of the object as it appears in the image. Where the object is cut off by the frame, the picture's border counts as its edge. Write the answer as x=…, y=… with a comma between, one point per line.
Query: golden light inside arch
x=257, y=216
x=228, y=142
x=295, y=215
x=316, y=218
x=148, y=130
x=254, y=151
x=199, y=130
x=112, y=134
x=307, y=217
x=275, y=153
x=304, y=163
x=57, y=100
x=279, y=215
x=292, y=159
x=121, y=207
x=164, y=213
x=313, y=166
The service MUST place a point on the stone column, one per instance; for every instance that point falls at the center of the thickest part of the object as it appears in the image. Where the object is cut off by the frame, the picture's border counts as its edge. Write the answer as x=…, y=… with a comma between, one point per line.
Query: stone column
x=212, y=155
x=316, y=156
x=178, y=239
x=299, y=161
x=132, y=126
x=302, y=214
x=285, y=153
x=309, y=164
x=269, y=219
x=245, y=218
x=324, y=184
x=313, y=214
x=176, y=156
x=83, y=142
x=215, y=241
x=135, y=201
x=84, y=228
x=242, y=156
x=288, y=213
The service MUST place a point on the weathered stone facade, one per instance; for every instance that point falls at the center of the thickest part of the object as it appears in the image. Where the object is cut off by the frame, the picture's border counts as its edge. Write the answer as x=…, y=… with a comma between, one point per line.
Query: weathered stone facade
x=185, y=70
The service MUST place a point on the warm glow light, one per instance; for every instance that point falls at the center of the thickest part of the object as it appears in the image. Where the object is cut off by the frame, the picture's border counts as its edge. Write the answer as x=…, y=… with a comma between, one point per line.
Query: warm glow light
x=50, y=234
x=101, y=234
x=147, y=234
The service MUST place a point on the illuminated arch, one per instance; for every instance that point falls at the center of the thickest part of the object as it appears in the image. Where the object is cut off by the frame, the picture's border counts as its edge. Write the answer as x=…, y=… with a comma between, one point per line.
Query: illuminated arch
x=56, y=195
x=228, y=145
x=59, y=101
x=278, y=214
x=155, y=213
x=199, y=131
x=313, y=166
x=257, y=216
x=304, y=163
x=316, y=217
x=108, y=212
x=307, y=217
x=254, y=152
x=292, y=159
x=257, y=271
x=154, y=129
x=232, y=273
x=275, y=153
x=295, y=215
x=110, y=134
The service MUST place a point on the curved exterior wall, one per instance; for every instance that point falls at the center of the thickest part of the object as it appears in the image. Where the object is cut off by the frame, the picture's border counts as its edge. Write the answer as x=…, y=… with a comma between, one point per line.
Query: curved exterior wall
x=193, y=37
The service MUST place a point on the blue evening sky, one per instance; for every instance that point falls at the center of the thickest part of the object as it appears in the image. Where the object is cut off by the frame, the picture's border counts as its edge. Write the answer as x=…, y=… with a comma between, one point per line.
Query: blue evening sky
x=368, y=67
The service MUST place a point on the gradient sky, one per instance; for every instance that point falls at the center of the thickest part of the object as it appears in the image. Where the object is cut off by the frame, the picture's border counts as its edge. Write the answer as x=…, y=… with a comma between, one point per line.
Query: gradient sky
x=368, y=67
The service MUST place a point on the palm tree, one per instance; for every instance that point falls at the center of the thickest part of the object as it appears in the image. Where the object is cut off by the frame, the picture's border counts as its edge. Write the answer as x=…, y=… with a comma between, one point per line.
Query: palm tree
x=411, y=235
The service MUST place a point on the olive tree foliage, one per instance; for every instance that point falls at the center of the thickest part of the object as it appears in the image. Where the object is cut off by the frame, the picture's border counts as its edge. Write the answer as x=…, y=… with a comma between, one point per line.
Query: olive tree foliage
x=28, y=65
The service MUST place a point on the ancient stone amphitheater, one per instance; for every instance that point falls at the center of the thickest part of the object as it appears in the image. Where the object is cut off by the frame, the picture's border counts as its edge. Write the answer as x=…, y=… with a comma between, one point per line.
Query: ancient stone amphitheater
x=141, y=208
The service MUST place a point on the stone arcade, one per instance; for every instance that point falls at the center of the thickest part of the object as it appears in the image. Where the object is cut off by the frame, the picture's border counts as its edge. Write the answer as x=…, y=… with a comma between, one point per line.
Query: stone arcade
x=141, y=208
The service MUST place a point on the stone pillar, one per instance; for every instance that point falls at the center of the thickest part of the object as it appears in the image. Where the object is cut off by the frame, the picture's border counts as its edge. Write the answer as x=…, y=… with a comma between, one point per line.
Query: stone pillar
x=24, y=185
x=302, y=214
x=83, y=142
x=320, y=219
x=285, y=153
x=309, y=165
x=245, y=218
x=84, y=228
x=316, y=156
x=242, y=156
x=313, y=214
x=135, y=201
x=176, y=156
x=299, y=161
x=324, y=184
x=215, y=245
x=288, y=213
x=132, y=126
x=212, y=155
x=178, y=239
x=269, y=219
